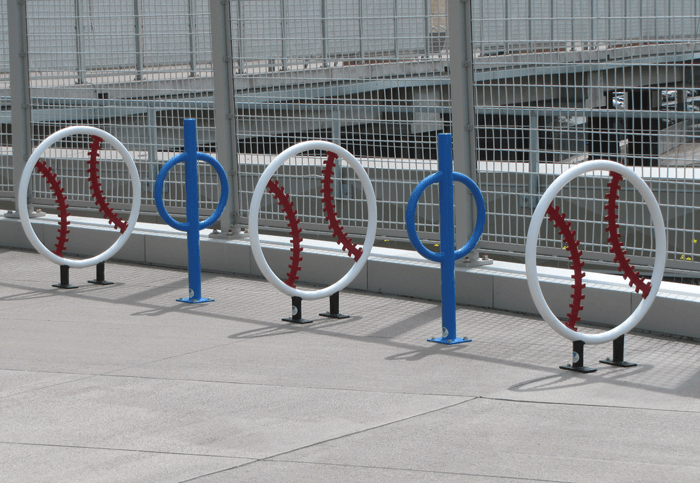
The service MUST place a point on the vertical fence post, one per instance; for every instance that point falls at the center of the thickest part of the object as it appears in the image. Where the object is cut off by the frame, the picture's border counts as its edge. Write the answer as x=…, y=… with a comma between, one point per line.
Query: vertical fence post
x=225, y=117
x=530, y=43
x=138, y=40
x=625, y=34
x=324, y=33
x=80, y=42
x=551, y=23
x=593, y=27
x=463, y=122
x=338, y=169
x=396, y=30
x=152, y=161
x=335, y=126
x=482, y=33
x=506, y=27
x=283, y=22
x=19, y=90
x=239, y=23
x=193, y=40
x=610, y=42
x=641, y=21
x=426, y=7
x=361, y=31
x=534, y=156
x=573, y=27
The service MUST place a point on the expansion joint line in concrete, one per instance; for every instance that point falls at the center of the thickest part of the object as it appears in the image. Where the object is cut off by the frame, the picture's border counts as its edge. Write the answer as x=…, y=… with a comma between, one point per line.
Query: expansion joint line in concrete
x=319, y=443
x=602, y=406
x=126, y=450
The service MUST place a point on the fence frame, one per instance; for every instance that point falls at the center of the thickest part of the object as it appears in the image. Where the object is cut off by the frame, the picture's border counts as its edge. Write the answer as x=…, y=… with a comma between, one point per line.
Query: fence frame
x=19, y=88
x=225, y=115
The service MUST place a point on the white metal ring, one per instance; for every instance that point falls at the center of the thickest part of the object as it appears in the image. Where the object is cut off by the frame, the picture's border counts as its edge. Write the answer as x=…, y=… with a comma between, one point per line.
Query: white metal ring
x=255, y=210
x=24, y=186
x=531, y=251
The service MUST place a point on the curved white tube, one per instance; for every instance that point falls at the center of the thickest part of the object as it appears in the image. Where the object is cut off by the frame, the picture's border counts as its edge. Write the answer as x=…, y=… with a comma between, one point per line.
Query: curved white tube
x=24, y=186
x=255, y=210
x=531, y=251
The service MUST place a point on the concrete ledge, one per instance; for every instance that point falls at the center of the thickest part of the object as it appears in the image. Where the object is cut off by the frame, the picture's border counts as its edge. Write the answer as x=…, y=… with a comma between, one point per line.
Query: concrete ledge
x=609, y=300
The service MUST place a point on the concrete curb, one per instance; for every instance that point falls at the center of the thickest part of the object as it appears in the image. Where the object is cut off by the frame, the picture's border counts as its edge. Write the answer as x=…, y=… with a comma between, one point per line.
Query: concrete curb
x=502, y=286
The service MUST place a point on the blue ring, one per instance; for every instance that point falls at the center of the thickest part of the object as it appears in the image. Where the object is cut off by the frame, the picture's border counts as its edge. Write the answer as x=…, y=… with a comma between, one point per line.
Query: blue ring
x=411, y=218
x=480, y=214
x=411, y=215
x=223, y=199
x=160, y=181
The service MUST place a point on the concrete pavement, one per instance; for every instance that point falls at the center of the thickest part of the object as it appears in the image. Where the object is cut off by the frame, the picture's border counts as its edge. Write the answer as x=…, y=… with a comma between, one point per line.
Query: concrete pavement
x=122, y=383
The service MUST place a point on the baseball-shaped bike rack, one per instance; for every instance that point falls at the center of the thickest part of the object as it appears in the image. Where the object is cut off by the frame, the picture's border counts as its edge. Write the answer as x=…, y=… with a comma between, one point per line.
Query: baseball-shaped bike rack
x=445, y=176
x=98, y=135
x=360, y=256
x=648, y=291
x=192, y=226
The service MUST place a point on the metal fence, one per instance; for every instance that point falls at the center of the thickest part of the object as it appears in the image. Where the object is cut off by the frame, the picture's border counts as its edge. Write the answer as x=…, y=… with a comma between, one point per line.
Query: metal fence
x=368, y=75
x=130, y=67
x=6, y=167
x=371, y=76
x=558, y=83
x=535, y=86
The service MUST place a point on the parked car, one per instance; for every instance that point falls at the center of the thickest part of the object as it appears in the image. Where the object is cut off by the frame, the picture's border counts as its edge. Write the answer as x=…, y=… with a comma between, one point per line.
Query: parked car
x=618, y=101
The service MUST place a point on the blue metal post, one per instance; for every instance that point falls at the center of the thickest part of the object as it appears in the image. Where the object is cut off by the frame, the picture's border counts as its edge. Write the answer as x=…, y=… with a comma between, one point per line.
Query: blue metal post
x=447, y=239
x=445, y=176
x=194, y=265
x=193, y=226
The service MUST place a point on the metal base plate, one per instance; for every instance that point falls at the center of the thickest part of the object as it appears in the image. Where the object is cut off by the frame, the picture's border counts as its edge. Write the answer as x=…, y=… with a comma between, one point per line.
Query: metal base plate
x=584, y=369
x=100, y=282
x=59, y=285
x=297, y=321
x=611, y=362
x=442, y=340
x=334, y=316
x=195, y=301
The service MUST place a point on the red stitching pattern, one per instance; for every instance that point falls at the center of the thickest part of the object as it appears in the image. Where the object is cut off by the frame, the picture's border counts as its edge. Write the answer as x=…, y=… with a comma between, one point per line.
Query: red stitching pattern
x=63, y=214
x=291, y=215
x=635, y=280
x=559, y=220
x=96, y=188
x=331, y=214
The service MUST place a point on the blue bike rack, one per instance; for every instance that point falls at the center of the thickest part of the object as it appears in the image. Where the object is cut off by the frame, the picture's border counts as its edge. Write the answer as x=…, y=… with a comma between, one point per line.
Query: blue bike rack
x=447, y=256
x=193, y=225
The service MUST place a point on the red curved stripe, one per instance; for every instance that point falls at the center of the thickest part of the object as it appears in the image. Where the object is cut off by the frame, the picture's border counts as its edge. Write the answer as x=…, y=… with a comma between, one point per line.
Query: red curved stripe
x=559, y=220
x=96, y=188
x=291, y=215
x=63, y=214
x=635, y=280
x=331, y=215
